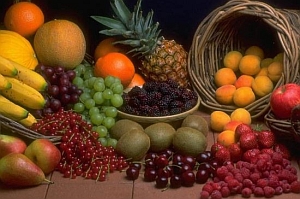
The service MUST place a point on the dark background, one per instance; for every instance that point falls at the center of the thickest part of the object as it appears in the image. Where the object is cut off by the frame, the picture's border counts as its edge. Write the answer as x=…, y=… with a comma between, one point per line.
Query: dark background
x=178, y=18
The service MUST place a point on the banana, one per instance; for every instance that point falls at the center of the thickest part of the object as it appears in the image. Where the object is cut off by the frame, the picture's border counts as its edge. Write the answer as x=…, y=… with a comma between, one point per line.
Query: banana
x=23, y=94
x=30, y=77
x=12, y=110
x=7, y=68
x=28, y=121
x=4, y=84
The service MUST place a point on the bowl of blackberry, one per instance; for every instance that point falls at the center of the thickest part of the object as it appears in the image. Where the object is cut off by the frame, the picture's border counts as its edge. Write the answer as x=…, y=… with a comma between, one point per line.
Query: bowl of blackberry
x=158, y=102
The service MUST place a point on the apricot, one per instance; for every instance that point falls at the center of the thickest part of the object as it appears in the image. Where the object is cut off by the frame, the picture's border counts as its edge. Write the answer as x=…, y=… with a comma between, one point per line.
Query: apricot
x=232, y=125
x=266, y=62
x=243, y=96
x=224, y=94
x=275, y=70
x=224, y=76
x=232, y=60
x=218, y=119
x=226, y=138
x=241, y=115
x=255, y=50
x=262, y=85
x=249, y=65
x=243, y=80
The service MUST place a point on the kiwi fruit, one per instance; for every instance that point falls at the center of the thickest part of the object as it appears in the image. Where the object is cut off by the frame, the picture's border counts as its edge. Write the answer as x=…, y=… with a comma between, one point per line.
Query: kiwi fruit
x=161, y=136
x=189, y=141
x=122, y=126
x=133, y=145
x=197, y=122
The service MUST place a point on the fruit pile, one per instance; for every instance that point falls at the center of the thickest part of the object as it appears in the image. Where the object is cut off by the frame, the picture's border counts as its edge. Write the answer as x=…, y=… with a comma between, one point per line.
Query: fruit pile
x=247, y=77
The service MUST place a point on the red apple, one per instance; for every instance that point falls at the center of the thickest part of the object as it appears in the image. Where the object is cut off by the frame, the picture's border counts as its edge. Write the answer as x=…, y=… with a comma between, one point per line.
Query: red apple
x=11, y=144
x=44, y=154
x=284, y=99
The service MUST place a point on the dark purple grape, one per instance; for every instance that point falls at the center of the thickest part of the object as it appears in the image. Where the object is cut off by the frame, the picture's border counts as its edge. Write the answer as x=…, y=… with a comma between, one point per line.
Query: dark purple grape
x=74, y=98
x=47, y=110
x=72, y=89
x=132, y=173
x=64, y=81
x=79, y=91
x=59, y=69
x=55, y=104
x=202, y=176
x=150, y=174
x=53, y=90
x=48, y=71
x=63, y=89
x=175, y=181
x=65, y=98
x=188, y=178
x=53, y=79
x=71, y=74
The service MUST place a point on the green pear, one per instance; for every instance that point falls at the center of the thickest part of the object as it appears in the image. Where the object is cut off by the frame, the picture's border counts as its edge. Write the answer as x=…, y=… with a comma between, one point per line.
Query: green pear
x=19, y=171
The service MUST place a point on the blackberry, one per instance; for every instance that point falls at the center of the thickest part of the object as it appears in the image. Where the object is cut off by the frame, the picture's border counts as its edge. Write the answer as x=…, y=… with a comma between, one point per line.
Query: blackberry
x=135, y=91
x=175, y=111
x=134, y=102
x=151, y=86
x=189, y=104
x=162, y=105
x=176, y=104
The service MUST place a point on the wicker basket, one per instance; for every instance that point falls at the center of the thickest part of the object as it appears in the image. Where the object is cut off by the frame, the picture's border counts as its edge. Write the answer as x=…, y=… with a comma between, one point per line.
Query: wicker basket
x=19, y=129
x=237, y=25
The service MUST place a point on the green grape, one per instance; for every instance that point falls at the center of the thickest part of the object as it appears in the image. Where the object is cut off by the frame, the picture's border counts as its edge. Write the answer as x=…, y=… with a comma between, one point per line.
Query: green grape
x=117, y=88
x=79, y=107
x=108, y=122
x=91, y=82
x=117, y=80
x=79, y=70
x=116, y=100
x=109, y=80
x=103, y=141
x=85, y=96
x=101, y=130
x=88, y=74
x=78, y=81
x=98, y=98
x=112, y=142
x=86, y=83
x=99, y=86
x=94, y=110
x=111, y=112
x=96, y=119
x=106, y=102
x=89, y=103
x=107, y=93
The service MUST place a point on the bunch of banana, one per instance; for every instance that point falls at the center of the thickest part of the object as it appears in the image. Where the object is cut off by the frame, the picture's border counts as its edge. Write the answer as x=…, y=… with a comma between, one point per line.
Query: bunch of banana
x=20, y=91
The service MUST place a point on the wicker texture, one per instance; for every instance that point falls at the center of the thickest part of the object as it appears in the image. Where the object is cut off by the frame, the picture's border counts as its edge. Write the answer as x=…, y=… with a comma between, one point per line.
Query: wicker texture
x=237, y=25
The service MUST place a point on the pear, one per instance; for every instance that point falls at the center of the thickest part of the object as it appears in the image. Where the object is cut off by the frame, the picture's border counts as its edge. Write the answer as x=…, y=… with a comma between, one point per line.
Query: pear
x=19, y=171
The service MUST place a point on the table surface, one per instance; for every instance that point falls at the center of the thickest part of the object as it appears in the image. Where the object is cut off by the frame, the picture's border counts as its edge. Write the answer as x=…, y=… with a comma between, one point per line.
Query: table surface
x=116, y=186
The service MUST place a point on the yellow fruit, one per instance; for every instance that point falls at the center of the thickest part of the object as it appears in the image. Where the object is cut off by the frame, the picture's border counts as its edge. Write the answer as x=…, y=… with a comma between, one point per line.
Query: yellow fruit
x=232, y=60
x=278, y=57
x=17, y=48
x=243, y=96
x=218, y=119
x=263, y=71
x=224, y=94
x=255, y=50
x=266, y=62
x=262, y=85
x=60, y=43
x=241, y=115
x=12, y=110
x=275, y=70
x=224, y=76
x=249, y=65
x=226, y=138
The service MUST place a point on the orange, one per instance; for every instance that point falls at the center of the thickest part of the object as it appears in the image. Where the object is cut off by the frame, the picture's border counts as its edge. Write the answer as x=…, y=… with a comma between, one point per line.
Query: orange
x=24, y=18
x=137, y=80
x=224, y=76
x=218, y=119
x=117, y=65
x=226, y=138
x=106, y=46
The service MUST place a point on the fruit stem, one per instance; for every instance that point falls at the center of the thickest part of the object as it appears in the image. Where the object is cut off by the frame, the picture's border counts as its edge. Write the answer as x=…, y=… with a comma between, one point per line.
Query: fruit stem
x=48, y=181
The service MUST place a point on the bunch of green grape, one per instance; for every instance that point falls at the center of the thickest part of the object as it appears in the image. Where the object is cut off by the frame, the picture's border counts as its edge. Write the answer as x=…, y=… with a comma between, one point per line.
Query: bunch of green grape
x=99, y=101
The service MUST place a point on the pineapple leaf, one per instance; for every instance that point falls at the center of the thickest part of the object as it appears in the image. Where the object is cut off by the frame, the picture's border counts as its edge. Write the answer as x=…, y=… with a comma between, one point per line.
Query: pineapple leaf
x=115, y=32
x=148, y=20
x=121, y=10
x=109, y=22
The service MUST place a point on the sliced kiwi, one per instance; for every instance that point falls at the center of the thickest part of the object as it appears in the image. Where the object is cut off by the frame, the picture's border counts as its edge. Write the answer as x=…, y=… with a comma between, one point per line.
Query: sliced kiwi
x=197, y=122
x=122, y=126
x=134, y=144
x=161, y=136
x=189, y=141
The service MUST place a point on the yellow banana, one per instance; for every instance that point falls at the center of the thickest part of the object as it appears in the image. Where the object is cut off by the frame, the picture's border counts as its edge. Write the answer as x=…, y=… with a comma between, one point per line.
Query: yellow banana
x=30, y=77
x=28, y=121
x=23, y=94
x=7, y=68
x=4, y=84
x=12, y=110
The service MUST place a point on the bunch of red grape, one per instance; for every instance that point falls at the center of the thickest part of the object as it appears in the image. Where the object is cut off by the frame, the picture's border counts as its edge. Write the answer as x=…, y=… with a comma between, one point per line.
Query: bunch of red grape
x=82, y=153
x=169, y=169
x=61, y=92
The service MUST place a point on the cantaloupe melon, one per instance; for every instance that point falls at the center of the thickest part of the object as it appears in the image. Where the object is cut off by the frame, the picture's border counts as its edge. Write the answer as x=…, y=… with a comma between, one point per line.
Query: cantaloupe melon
x=60, y=43
x=17, y=48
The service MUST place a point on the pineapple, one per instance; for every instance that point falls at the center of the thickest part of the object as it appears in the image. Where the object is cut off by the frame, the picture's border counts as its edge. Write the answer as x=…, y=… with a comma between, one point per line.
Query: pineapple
x=161, y=59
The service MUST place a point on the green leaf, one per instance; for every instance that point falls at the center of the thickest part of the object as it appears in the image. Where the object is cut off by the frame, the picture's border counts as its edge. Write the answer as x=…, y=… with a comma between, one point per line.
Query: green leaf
x=121, y=10
x=109, y=22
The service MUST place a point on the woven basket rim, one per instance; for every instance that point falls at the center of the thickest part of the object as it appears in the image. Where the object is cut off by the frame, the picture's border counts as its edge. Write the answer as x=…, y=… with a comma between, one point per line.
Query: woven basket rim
x=284, y=22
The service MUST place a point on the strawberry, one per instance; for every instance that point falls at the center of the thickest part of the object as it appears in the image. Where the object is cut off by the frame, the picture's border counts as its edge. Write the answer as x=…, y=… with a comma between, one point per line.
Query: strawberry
x=240, y=129
x=215, y=147
x=281, y=148
x=251, y=155
x=222, y=155
x=235, y=152
x=248, y=141
x=266, y=139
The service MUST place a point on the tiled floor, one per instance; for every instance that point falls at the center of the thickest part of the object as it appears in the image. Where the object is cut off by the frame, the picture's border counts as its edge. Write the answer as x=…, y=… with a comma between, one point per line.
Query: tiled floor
x=116, y=187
